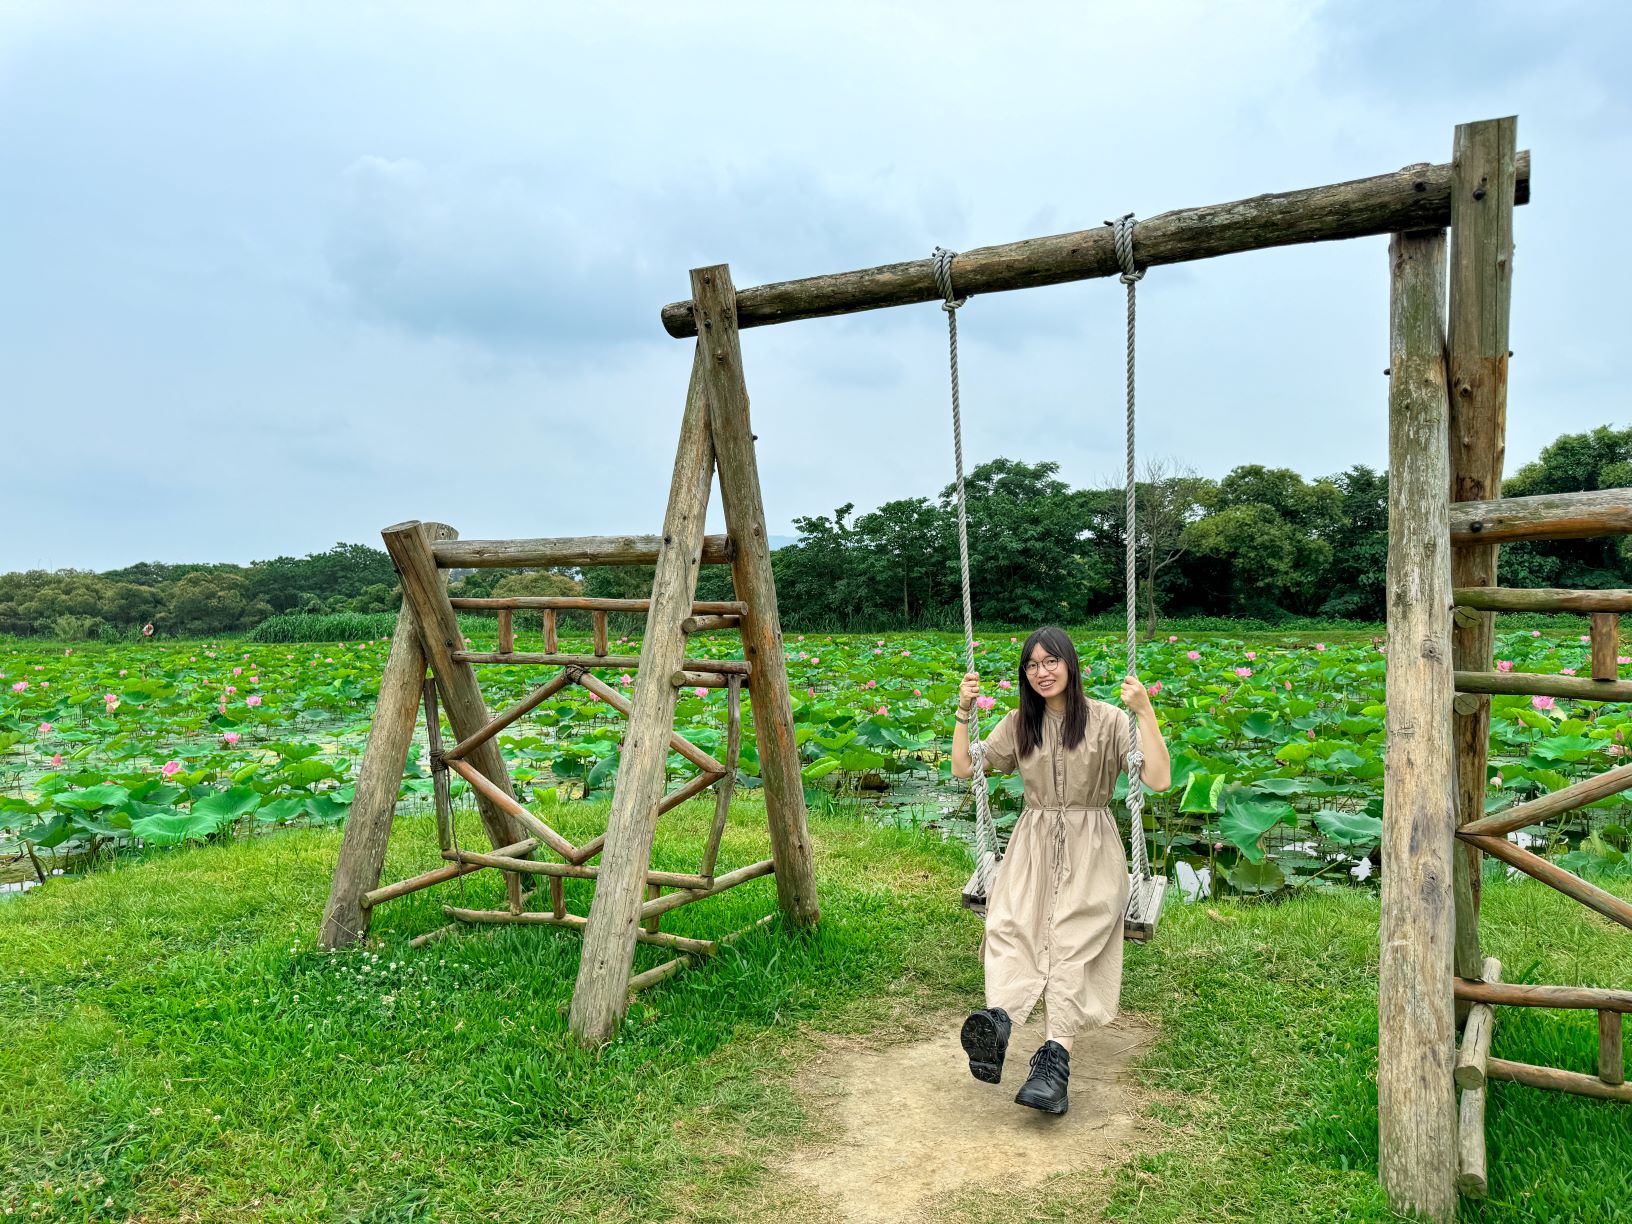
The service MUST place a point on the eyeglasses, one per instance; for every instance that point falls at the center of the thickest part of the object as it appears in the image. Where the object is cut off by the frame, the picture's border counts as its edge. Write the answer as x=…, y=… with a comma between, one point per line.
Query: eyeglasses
x=1046, y=663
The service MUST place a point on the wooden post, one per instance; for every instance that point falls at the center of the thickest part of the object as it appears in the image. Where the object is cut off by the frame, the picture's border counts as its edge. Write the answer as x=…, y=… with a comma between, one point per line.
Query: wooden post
x=1416, y=1102
x=1483, y=168
x=600, y=633
x=1611, y=1060
x=1606, y=646
x=422, y=586
x=379, y=780
x=549, y=631
x=715, y=311
x=601, y=995
x=1476, y=1035
x=507, y=632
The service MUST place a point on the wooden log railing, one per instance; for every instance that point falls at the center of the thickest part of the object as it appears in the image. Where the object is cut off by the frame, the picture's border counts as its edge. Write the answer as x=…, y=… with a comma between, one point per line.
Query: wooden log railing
x=1576, y=998
x=1546, y=516
x=453, y=871
x=724, y=667
x=1532, y=684
x=587, y=603
x=1610, y=1082
x=1415, y=198
x=1555, y=803
x=569, y=552
x=1541, y=599
x=1554, y=876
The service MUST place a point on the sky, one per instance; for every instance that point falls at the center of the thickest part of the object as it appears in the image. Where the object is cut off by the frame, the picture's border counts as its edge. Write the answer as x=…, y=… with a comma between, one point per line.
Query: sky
x=276, y=275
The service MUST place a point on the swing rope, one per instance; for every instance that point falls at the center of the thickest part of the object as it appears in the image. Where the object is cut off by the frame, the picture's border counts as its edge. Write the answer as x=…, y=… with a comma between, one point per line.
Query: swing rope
x=986, y=855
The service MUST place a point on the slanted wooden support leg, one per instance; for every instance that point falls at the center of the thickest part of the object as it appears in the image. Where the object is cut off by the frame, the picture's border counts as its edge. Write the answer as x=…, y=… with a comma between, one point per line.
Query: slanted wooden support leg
x=379, y=780
x=715, y=311
x=422, y=587
x=601, y=996
x=1483, y=164
x=1416, y=1101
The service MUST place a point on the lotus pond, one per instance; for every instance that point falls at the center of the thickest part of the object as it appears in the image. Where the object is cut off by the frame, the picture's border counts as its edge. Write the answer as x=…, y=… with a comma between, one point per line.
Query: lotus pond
x=1277, y=744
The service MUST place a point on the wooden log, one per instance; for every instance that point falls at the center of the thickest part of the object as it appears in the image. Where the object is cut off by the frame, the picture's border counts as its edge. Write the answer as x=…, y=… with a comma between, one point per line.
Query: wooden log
x=441, y=787
x=1416, y=1103
x=430, y=937
x=1530, y=684
x=453, y=871
x=677, y=742
x=1476, y=1034
x=722, y=793
x=558, y=897
x=551, y=643
x=423, y=586
x=573, y=552
x=1557, y=803
x=755, y=584
x=1417, y=197
x=379, y=781
x=1554, y=876
x=669, y=968
x=723, y=667
x=660, y=939
x=599, y=619
x=696, y=786
x=1611, y=1060
x=601, y=996
x=694, y=679
x=507, y=632
x=1545, y=516
x=569, y=871
x=653, y=892
x=709, y=624
x=484, y=788
x=499, y=722
x=1506, y=994
x=1606, y=645
x=1541, y=599
x=587, y=603
x=721, y=884
x=1483, y=167
x=1471, y=1177
x=1558, y=1081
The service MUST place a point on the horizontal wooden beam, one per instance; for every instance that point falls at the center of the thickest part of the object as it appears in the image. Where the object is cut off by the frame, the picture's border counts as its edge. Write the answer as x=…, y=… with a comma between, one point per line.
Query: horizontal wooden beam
x=1547, y=516
x=573, y=922
x=730, y=879
x=1554, y=876
x=1538, y=599
x=1557, y=1080
x=1556, y=803
x=570, y=871
x=1532, y=684
x=724, y=667
x=451, y=872
x=1506, y=994
x=584, y=603
x=709, y=624
x=1415, y=198
x=567, y=552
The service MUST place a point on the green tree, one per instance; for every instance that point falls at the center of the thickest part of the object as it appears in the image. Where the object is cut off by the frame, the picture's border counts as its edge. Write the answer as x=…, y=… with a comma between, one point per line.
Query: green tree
x=1574, y=463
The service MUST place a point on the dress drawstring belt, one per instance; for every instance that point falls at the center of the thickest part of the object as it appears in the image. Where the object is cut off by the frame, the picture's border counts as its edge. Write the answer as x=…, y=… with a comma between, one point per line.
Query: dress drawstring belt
x=1057, y=836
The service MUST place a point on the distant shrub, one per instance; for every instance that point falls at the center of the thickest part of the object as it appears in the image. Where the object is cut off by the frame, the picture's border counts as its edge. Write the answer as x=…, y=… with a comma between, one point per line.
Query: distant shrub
x=324, y=627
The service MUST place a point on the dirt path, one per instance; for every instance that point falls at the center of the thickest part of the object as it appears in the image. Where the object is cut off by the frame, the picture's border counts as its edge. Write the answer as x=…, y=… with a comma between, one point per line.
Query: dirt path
x=919, y=1135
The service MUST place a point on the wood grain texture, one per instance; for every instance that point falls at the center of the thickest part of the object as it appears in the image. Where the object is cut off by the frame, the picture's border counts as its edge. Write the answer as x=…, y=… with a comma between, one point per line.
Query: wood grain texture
x=1416, y=1101
x=1472, y=1179
x=1476, y=1035
x=1542, y=599
x=1417, y=197
x=1546, y=516
x=1611, y=1055
x=1559, y=1081
x=761, y=625
x=1555, y=803
x=379, y=779
x=601, y=997
x=1606, y=646
x=1508, y=994
x=1532, y=684
x=572, y=552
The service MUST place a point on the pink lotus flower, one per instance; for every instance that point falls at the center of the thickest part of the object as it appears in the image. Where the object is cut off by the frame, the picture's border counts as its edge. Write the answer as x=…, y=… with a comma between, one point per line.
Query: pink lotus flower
x=878, y=652
x=1586, y=637
x=254, y=679
x=232, y=737
x=1505, y=665
x=252, y=700
x=45, y=728
x=231, y=688
x=67, y=652
x=801, y=637
x=985, y=702
x=811, y=691
x=883, y=709
x=1320, y=645
x=45, y=684
x=626, y=679
x=20, y=687
x=815, y=662
x=1542, y=703
x=1310, y=733
x=1172, y=637
x=700, y=691
x=1252, y=654
x=1012, y=641
x=1243, y=672
x=1568, y=671
x=124, y=671
x=1289, y=686
x=1003, y=684
x=237, y=671
x=1497, y=780
x=1192, y=655
x=872, y=684
x=1623, y=660
x=170, y=768
x=916, y=693
x=905, y=653
x=1154, y=688
x=39, y=667
x=1533, y=633
x=56, y=760
x=803, y=656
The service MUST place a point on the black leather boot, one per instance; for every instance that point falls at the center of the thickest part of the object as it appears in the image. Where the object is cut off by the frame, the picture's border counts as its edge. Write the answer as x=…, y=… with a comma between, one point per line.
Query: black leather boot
x=1050, y=1075
x=986, y=1040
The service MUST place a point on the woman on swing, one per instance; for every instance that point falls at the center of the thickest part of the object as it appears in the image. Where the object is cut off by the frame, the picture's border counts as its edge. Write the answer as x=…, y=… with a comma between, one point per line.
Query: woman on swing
x=1054, y=916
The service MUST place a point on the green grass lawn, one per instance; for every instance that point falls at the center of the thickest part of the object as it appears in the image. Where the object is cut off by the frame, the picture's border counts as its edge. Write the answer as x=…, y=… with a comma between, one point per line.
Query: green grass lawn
x=173, y=1046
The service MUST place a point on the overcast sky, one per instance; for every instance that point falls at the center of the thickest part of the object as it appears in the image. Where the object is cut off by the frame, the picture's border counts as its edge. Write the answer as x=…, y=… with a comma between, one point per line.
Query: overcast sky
x=276, y=275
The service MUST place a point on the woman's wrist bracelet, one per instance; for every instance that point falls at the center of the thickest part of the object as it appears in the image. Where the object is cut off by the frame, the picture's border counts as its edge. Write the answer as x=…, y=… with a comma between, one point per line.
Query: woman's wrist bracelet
x=961, y=716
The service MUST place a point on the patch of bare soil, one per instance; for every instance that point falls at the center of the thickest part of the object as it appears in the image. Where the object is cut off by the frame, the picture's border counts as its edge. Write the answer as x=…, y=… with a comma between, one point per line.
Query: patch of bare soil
x=917, y=1131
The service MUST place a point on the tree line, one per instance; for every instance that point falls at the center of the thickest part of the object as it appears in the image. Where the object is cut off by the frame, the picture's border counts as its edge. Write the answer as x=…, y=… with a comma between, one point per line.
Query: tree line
x=1260, y=542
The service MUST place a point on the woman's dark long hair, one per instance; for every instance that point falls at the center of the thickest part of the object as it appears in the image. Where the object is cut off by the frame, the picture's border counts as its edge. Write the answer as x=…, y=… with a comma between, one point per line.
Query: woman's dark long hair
x=1057, y=642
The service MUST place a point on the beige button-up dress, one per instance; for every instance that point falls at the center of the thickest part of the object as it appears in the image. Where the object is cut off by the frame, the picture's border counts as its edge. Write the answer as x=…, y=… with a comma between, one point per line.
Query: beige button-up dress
x=1054, y=917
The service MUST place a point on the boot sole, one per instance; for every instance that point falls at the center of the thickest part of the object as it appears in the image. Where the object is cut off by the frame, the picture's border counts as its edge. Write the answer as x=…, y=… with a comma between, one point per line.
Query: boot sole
x=985, y=1046
x=1048, y=1107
